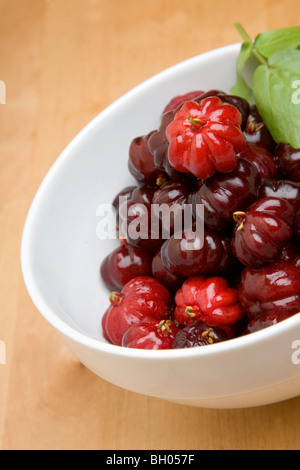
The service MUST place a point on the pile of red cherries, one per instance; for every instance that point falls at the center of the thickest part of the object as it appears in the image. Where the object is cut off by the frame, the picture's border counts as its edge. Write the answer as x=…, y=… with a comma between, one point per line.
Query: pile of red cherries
x=211, y=149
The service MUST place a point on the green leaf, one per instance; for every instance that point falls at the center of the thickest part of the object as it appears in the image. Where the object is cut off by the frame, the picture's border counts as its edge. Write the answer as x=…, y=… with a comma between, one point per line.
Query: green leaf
x=275, y=91
x=241, y=87
x=270, y=42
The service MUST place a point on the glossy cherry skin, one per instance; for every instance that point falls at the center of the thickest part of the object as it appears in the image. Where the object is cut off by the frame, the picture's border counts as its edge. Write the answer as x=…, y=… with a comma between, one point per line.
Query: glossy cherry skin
x=268, y=319
x=124, y=264
x=222, y=195
x=257, y=133
x=296, y=261
x=158, y=145
x=297, y=227
x=204, y=138
x=209, y=300
x=283, y=189
x=125, y=193
x=172, y=281
x=141, y=298
x=262, y=232
x=198, y=333
x=176, y=195
x=273, y=288
x=152, y=334
x=288, y=162
x=141, y=163
x=192, y=253
x=241, y=104
x=135, y=220
x=180, y=99
x=262, y=159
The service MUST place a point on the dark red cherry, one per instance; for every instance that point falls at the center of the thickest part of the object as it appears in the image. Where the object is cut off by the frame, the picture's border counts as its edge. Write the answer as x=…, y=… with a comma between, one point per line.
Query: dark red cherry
x=273, y=288
x=136, y=224
x=257, y=133
x=169, y=203
x=268, y=319
x=194, y=252
x=288, y=162
x=198, y=334
x=121, y=196
x=222, y=195
x=297, y=227
x=283, y=189
x=172, y=281
x=262, y=232
x=262, y=159
x=124, y=264
x=141, y=163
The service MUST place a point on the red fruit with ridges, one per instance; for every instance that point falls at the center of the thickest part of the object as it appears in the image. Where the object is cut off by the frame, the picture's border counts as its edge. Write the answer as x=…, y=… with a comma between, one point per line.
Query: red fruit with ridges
x=204, y=138
x=141, y=298
x=209, y=300
x=240, y=103
x=262, y=232
x=152, y=334
x=274, y=288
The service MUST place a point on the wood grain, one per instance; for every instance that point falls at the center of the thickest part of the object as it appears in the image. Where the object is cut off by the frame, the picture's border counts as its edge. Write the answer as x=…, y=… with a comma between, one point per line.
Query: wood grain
x=63, y=62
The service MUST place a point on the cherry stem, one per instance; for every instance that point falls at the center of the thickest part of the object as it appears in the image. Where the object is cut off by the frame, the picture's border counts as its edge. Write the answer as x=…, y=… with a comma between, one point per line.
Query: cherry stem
x=239, y=218
x=115, y=298
x=191, y=312
x=196, y=122
x=164, y=326
x=161, y=180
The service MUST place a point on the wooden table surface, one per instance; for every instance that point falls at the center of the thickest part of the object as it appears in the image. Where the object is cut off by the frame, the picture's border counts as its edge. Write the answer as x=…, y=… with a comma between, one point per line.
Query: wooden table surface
x=63, y=61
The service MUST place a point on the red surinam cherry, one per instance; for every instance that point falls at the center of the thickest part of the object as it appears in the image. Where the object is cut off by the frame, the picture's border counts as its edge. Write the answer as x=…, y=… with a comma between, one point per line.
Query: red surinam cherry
x=273, y=288
x=262, y=232
x=204, y=138
x=152, y=334
x=209, y=300
x=141, y=298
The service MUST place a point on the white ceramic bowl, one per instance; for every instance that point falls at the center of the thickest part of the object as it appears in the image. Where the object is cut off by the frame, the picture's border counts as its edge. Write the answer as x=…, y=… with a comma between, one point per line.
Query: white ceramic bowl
x=61, y=255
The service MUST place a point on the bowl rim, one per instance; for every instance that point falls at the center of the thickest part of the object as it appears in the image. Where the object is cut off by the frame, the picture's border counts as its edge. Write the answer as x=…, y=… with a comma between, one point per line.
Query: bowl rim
x=78, y=337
